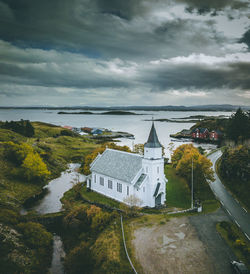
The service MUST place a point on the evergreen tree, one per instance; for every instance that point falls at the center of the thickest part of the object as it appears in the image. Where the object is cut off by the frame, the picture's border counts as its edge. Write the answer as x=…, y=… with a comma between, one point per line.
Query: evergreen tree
x=239, y=126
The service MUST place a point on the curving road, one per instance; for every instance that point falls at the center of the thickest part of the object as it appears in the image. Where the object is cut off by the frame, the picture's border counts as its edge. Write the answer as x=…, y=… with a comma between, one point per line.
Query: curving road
x=235, y=211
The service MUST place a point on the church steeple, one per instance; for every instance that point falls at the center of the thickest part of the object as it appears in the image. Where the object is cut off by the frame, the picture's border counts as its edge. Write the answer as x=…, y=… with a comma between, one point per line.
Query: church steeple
x=153, y=141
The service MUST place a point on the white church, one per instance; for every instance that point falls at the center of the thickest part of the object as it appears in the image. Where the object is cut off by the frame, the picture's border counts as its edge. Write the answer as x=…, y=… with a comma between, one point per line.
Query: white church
x=118, y=174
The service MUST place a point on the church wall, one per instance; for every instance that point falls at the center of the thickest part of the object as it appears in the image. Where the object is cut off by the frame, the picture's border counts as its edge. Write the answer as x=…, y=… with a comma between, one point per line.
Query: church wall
x=105, y=190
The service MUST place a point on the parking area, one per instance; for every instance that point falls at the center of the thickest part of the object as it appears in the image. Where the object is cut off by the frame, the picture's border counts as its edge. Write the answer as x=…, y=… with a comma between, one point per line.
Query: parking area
x=183, y=245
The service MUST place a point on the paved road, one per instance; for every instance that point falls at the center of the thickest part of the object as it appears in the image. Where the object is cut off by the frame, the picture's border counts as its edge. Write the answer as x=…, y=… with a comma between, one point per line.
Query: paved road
x=237, y=213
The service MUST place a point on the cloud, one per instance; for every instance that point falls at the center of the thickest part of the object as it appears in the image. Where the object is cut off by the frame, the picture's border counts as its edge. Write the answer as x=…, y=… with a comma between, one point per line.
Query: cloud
x=198, y=72
x=207, y=6
x=109, y=29
x=136, y=51
x=246, y=38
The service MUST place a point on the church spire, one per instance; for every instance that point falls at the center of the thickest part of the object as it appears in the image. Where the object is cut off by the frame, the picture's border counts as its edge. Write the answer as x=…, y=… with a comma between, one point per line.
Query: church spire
x=153, y=141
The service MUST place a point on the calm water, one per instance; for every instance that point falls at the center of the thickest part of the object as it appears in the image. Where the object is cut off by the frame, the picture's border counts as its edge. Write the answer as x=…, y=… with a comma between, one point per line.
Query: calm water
x=51, y=203
x=134, y=124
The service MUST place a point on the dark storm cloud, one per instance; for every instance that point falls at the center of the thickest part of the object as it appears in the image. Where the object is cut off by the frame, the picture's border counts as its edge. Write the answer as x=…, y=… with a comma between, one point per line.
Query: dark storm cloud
x=48, y=76
x=67, y=47
x=123, y=9
x=246, y=38
x=206, y=6
x=98, y=28
x=197, y=76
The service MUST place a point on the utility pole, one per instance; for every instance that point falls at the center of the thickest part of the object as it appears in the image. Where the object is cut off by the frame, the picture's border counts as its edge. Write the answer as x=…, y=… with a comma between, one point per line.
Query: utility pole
x=192, y=186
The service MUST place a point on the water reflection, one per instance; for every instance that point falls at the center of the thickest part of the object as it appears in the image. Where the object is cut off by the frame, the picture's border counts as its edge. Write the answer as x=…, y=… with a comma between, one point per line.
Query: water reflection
x=58, y=255
x=51, y=203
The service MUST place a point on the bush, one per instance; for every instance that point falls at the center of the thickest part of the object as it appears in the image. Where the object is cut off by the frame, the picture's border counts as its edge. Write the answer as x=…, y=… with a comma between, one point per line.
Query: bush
x=79, y=260
x=23, y=127
x=35, y=235
x=8, y=216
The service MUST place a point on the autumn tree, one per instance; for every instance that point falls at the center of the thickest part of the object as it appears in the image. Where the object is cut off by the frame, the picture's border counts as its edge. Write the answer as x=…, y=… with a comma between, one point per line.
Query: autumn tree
x=16, y=153
x=29, y=163
x=34, y=167
x=139, y=149
x=182, y=159
x=91, y=157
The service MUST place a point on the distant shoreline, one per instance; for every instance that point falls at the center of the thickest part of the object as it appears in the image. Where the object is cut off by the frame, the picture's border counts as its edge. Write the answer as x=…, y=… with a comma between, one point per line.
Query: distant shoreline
x=138, y=108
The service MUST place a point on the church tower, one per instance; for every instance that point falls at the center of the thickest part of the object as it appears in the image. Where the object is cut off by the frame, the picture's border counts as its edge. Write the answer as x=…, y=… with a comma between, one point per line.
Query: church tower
x=153, y=166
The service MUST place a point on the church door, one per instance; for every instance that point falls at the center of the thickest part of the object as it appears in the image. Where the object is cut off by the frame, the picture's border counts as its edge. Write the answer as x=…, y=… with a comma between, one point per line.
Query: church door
x=158, y=200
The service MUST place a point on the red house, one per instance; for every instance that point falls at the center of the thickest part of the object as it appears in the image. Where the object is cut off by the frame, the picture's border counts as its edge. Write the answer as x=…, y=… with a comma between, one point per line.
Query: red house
x=215, y=135
x=200, y=133
x=86, y=129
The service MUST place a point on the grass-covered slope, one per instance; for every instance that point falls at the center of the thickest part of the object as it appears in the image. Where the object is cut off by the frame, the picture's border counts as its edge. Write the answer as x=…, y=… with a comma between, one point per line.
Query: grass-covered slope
x=54, y=147
x=26, y=247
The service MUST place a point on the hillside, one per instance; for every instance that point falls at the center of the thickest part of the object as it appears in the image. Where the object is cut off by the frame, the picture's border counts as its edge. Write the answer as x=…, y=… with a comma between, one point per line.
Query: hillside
x=25, y=244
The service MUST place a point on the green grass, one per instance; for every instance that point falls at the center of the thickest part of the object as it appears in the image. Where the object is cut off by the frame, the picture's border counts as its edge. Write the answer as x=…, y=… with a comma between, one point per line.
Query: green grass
x=178, y=193
x=8, y=135
x=98, y=198
x=236, y=240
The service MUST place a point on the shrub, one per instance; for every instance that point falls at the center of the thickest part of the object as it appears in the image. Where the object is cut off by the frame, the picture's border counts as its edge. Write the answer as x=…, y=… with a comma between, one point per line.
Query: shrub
x=79, y=260
x=8, y=216
x=35, y=235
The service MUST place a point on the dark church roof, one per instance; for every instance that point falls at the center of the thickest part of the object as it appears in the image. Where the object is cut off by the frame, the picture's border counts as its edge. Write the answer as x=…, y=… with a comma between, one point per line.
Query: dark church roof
x=152, y=138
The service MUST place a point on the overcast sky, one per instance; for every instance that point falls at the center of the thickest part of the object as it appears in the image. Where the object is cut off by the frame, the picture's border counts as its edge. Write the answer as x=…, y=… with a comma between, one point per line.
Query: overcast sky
x=124, y=52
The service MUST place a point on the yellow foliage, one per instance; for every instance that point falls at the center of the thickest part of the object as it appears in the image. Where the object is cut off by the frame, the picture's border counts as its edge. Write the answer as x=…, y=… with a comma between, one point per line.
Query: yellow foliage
x=182, y=160
x=34, y=167
x=92, y=211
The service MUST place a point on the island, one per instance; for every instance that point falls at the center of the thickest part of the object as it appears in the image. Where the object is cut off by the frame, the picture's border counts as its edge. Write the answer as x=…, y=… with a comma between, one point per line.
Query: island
x=115, y=112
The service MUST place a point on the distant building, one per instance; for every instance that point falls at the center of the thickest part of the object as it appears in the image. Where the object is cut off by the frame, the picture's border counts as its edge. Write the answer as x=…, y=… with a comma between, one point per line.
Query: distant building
x=200, y=133
x=215, y=135
x=118, y=174
x=86, y=129
x=68, y=127
x=96, y=131
x=76, y=129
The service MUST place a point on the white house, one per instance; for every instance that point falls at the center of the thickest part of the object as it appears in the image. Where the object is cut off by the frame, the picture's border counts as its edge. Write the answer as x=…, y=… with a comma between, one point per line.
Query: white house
x=119, y=174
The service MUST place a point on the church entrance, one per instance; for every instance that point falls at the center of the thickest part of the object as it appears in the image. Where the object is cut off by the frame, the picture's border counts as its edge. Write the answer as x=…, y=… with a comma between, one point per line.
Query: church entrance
x=158, y=200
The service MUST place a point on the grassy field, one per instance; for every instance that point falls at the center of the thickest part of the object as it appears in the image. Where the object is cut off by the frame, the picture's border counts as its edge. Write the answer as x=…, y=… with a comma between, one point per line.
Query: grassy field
x=178, y=193
x=236, y=240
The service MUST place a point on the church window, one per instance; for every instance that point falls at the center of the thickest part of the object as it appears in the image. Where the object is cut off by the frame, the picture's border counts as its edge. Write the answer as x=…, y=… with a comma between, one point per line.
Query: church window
x=127, y=190
x=146, y=169
x=158, y=169
x=95, y=178
x=144, y=189
x=119, y=187
x=101, y=181
x=110, y=184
